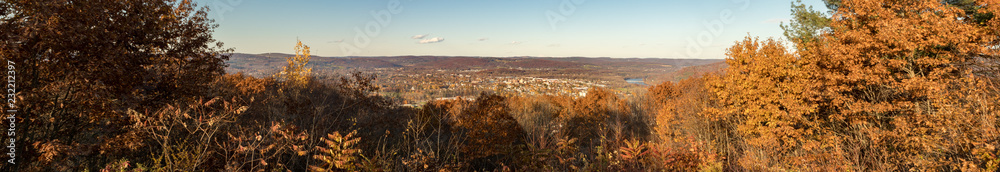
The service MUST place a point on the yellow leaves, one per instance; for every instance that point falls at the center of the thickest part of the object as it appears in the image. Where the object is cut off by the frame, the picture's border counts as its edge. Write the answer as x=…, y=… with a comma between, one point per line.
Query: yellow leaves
x=295, y=72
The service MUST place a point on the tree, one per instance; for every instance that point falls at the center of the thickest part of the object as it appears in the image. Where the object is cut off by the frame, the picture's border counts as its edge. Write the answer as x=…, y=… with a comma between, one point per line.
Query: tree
x=891, y=86
x=889, y=77
x=81, y=64
x=296, y=71
x=684, y=119
x=833, y=5
x=491, y=130
x=590, y=114
x=806, y=24
x=763, y=93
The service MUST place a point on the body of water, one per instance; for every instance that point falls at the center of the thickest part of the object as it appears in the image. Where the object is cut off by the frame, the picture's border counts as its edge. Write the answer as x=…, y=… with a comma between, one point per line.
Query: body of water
x=635, y=81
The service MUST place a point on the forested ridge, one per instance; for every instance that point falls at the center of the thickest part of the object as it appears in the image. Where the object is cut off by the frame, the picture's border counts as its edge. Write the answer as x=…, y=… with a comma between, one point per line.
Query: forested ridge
x=138, y=85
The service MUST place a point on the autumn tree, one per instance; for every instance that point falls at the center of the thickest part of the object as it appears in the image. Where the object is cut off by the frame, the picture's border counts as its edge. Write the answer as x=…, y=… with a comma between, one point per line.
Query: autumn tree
x=590, y=114
x=892, y=85
x=296, y=72
x=492, y=132
x=82, y=64
x=763, y=92
x=685, y=121
x=888, y=78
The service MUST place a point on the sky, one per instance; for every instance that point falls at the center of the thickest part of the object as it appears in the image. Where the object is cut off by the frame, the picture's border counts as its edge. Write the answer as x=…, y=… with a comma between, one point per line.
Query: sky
x=549, y=28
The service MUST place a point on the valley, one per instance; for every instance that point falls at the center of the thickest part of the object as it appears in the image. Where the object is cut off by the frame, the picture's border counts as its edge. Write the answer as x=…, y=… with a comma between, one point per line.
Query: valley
x=414, y=80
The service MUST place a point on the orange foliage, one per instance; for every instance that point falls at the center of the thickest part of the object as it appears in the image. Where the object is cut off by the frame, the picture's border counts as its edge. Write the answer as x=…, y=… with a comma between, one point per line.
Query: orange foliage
x=891, y=77
x=589, y=115
x=597, y=104
x=688, y=135
x=762, y=91
x=891, y=86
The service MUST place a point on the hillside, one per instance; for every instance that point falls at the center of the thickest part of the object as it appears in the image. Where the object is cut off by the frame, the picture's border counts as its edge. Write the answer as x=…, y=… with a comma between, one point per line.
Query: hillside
x=258, y=64
x=688, y=72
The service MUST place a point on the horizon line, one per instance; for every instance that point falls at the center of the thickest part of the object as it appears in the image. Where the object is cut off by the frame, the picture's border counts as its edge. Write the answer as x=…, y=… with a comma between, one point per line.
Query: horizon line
x=522, y=56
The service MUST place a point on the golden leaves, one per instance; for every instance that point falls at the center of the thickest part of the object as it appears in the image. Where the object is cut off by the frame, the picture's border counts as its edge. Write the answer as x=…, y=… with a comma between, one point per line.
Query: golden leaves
x=296, y=72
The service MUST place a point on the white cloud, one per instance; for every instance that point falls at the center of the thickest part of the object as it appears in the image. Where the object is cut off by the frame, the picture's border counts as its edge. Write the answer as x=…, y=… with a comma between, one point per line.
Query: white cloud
x=484, y=39
x=432, y=40
x=419, y=36
x=337, y=41
x=774, y=20
x=515, y=42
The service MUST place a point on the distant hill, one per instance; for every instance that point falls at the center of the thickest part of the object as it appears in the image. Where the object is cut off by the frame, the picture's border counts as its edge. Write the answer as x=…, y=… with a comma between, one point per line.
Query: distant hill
x=459, y=63
x=270, y=62
x=689, y=71
x=650, y=68
x=502, y=71
x=545, y=63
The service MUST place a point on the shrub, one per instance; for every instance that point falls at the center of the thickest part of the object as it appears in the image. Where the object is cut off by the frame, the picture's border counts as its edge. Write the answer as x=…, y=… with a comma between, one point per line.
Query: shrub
x=339, y=153
x=77, y=89
x=492, y=132
x=184, y=137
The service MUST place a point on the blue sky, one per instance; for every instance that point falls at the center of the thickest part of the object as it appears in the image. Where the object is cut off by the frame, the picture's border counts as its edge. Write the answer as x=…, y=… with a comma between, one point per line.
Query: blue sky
x=556, y=28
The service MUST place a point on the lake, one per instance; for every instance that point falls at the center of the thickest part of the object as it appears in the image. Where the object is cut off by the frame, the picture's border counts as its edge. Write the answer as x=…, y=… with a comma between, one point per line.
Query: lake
x=635, y=81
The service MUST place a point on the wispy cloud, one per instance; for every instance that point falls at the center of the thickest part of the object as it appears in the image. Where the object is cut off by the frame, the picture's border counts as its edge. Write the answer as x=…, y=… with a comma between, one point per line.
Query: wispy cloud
x=515, y=42
x=432, y=40
x=484, y=39
x=774, y=20
x=419, y=36
x=554, y=45
x=337, y=41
